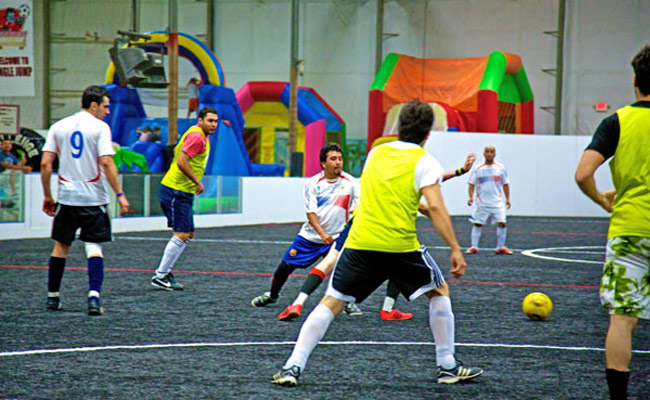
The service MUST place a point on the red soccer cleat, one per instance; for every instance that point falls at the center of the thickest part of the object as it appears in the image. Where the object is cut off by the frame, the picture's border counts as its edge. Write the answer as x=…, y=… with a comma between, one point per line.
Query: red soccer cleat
x=290, y=313
x=504, y=250
x=395, y=315
x=471, y=250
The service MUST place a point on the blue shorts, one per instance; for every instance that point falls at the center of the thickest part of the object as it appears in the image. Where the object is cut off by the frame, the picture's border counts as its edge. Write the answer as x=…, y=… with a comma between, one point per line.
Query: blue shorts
x=303, y=253
x=177, y=206
x=340, y=241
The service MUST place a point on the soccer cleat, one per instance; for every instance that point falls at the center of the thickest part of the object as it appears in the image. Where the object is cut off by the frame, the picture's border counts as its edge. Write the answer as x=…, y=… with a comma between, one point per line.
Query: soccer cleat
x=173, y=282
x=471, y=250
x=94, y=306
x=352, y=310
x=290, y=313
x=162, y=283
x=395, y=315
x=53, y=303
x=287, y=376
x=263, y=300
x=457, y=373
x=503, y=250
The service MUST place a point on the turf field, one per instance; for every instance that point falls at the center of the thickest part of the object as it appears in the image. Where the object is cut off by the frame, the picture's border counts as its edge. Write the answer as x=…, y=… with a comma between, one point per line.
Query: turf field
x=207, y=342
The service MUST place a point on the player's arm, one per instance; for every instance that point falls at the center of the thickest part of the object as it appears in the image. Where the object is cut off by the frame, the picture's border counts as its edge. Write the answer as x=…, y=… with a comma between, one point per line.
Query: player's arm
x=506, y=191
x=110, y=170
x=470, y=191
x=584, y=176
x=315, y=223
x=183, y=163
x=442, y=223
x=46, y=174
x=469, y=161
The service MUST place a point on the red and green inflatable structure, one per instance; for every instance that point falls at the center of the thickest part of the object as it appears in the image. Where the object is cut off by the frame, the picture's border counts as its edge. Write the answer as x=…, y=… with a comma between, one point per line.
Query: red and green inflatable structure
x=483, y=94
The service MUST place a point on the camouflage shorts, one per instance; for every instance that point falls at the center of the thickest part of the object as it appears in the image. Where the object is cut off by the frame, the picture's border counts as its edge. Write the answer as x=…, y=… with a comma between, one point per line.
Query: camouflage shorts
x=625, y=285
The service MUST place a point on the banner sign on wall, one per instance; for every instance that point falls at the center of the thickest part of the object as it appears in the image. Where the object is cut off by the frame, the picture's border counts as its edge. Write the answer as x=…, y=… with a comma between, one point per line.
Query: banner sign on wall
x=16, y=48
x=9, y=119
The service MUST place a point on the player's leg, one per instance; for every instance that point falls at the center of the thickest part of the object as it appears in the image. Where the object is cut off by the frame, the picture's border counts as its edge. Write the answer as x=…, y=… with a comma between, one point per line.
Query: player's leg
x=388, y=312
x=177, y=207
x=419, y=273
x=478, y=219
x=312, y=282
x=499, y=214
x=624, y=292
x=353, y=279
x=301, y=254
x=64, y=228
x=95, y=229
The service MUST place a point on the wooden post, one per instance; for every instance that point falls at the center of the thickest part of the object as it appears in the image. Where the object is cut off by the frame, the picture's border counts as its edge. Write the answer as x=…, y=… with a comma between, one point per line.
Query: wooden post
x=295, y=167
x=172, y=66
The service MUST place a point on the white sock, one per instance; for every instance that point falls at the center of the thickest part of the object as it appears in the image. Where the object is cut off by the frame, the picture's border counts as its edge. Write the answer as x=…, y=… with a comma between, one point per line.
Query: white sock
x=93, y=293
x=441, y=321
x=476, y=235
x=501, y=237
x=300, y=300
x=389, y=303
x=311, y=333
x=173, y=250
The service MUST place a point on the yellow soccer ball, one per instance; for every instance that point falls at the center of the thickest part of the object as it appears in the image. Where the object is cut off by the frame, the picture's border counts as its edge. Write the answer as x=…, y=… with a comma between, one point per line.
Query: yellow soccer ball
x=537, y=306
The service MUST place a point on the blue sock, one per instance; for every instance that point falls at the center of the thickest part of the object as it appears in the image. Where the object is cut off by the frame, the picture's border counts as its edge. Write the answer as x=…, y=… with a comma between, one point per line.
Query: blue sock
x=95, y=273
x=55, y=273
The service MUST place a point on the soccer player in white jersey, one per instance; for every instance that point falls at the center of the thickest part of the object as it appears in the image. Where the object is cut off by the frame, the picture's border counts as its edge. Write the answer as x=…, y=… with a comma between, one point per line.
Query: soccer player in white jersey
x=83, y=144
x=330, y=197
x=489, y=179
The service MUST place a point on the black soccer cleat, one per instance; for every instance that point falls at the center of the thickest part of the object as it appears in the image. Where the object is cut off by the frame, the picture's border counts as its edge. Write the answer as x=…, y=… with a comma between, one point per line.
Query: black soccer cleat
x=94, y=306
x=53, y=303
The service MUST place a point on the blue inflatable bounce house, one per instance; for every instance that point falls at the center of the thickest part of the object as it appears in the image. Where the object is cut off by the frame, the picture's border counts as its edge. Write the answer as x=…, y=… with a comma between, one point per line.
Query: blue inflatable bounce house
x=228, y=154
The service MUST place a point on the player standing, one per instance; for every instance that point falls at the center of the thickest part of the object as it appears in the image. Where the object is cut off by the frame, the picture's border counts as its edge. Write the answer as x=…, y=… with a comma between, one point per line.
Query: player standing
x=489, y=179
x=84, y=146
x=177, y=190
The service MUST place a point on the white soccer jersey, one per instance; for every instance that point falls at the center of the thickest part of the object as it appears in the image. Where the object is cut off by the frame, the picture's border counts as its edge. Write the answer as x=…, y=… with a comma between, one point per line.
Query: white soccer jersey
x=79, y=140
x=488, y=181
x=332, y=201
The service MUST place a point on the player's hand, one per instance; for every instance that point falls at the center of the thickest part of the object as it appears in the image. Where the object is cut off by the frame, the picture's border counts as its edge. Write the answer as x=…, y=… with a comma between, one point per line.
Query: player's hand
x=199, y=188
x=469, y=161
x=124, y=204
x=327, y=238
x=607, y=199
x=27, y=169
x=508, y=203
x=470, y=202
x=49, y=206
x=458, y=264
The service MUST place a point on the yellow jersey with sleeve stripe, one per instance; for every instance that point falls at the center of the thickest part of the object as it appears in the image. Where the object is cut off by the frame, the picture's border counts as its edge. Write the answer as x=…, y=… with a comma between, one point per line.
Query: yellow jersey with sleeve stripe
x=194, y=142
x=630, y=170
x=391, y=181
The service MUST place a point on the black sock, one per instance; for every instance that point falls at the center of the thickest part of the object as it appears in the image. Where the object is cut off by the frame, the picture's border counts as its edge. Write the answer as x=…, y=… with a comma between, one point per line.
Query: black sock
x=392, y=290
x=280, y=276
x=311, y=283
x=617, y=382
x=55, y=273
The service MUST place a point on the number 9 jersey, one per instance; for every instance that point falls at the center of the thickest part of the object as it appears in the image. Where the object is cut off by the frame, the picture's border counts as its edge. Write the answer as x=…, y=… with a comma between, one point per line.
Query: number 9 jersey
x=79, y=141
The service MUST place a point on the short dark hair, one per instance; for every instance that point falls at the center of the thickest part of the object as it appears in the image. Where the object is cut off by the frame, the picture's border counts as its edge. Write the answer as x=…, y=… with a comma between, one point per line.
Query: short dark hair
x=641, y=66
x=95, y=94
x=329, y=147
x=207, y=110
x=415, y=121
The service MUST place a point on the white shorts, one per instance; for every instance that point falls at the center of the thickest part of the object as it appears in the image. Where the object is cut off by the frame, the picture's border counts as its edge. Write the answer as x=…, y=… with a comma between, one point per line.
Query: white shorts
x=482, y=214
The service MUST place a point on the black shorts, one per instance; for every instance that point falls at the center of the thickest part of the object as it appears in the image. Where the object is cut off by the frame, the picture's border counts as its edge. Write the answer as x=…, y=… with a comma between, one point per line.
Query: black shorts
x=359, y=272
x=93, y=220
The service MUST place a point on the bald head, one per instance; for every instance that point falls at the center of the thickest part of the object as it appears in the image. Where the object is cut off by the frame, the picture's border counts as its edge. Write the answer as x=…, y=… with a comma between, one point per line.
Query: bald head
x=489, y=153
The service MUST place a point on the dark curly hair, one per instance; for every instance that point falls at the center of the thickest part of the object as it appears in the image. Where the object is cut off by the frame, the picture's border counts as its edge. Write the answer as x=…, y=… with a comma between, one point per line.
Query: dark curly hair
x=92, y=94
x=415, y=121
x=329, y=147
x=641, y=66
